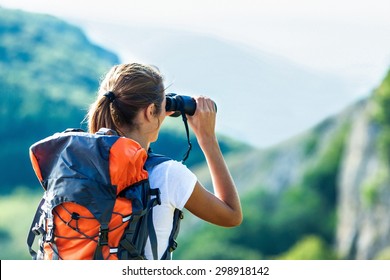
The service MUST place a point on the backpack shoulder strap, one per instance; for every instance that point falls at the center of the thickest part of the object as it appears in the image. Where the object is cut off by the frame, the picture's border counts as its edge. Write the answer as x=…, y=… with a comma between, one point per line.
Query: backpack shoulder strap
x=155, y=159
x=152, y=161
x=172, y=244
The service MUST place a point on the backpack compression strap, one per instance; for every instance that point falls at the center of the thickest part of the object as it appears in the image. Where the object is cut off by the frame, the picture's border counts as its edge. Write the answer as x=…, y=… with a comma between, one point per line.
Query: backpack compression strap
x=35, y=229
x=140, y=222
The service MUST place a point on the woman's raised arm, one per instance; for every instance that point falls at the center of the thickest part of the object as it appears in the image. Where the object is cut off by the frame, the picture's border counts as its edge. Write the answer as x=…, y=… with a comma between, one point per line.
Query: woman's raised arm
x=223, y=206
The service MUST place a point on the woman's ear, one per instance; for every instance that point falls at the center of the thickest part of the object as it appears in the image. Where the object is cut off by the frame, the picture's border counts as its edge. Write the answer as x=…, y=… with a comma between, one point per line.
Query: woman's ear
x=150, y=112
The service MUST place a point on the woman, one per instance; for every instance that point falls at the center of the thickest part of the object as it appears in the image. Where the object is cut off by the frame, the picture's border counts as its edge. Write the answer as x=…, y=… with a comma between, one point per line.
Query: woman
x=131, y=100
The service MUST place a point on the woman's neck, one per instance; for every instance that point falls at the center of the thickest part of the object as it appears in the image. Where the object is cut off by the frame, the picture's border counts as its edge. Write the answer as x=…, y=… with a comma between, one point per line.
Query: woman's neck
x=141, y=139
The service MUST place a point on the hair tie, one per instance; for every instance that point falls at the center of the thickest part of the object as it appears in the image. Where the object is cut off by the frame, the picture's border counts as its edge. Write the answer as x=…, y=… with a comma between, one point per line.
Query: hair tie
x=110, y=95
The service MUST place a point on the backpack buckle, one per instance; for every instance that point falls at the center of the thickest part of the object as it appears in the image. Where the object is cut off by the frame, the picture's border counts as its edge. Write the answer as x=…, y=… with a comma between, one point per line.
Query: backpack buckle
x=173, y=246
x=38, y=230
x=50, y=229
x=103, y=236
x=157, y=194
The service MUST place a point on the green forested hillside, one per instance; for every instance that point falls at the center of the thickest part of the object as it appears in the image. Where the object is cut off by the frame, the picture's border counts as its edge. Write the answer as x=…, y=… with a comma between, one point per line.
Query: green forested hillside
x=49, y=73
x=381, y=115
x=302, y=213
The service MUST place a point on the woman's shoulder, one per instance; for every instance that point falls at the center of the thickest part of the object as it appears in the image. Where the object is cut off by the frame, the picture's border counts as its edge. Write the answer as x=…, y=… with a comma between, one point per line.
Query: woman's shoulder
x=173, y=171
x=170, y=165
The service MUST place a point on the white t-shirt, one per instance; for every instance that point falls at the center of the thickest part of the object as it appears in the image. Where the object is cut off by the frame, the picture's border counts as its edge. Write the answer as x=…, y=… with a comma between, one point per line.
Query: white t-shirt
x=176, y=183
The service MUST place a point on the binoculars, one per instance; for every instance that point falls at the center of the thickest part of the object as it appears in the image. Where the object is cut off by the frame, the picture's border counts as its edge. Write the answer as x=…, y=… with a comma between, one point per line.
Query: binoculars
x=180, y=104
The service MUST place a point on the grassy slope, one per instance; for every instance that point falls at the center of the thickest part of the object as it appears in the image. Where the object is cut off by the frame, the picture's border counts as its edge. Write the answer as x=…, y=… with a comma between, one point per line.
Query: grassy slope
x=15, y=219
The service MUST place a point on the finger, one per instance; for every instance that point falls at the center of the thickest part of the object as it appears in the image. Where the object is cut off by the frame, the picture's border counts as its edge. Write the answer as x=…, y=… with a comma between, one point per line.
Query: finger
x=205, y=103
x=211, y=105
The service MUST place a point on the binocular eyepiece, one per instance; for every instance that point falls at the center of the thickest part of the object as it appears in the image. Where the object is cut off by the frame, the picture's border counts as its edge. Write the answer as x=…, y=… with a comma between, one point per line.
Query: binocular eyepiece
x=180, y=104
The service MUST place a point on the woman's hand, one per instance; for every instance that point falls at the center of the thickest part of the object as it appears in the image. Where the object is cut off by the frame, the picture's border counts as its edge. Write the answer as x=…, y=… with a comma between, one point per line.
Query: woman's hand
x=203, y=121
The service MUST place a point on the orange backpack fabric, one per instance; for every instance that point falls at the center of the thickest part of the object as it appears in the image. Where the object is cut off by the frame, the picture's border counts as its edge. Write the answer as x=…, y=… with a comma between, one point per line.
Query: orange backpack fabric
x=97, y=198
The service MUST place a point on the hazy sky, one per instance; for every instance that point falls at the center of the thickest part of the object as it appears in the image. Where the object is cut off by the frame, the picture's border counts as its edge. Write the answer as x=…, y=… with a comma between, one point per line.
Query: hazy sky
x=348, y=37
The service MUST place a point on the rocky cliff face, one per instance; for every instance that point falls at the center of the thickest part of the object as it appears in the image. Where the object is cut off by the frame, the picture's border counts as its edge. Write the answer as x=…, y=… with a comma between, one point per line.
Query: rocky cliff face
x=363, y=228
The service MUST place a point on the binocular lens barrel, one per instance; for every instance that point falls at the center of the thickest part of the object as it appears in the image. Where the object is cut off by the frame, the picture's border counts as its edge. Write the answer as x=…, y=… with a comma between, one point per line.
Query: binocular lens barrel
x=180, y=104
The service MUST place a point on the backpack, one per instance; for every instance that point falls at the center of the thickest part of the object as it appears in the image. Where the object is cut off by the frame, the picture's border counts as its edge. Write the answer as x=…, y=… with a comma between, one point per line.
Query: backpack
x=97, y=202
